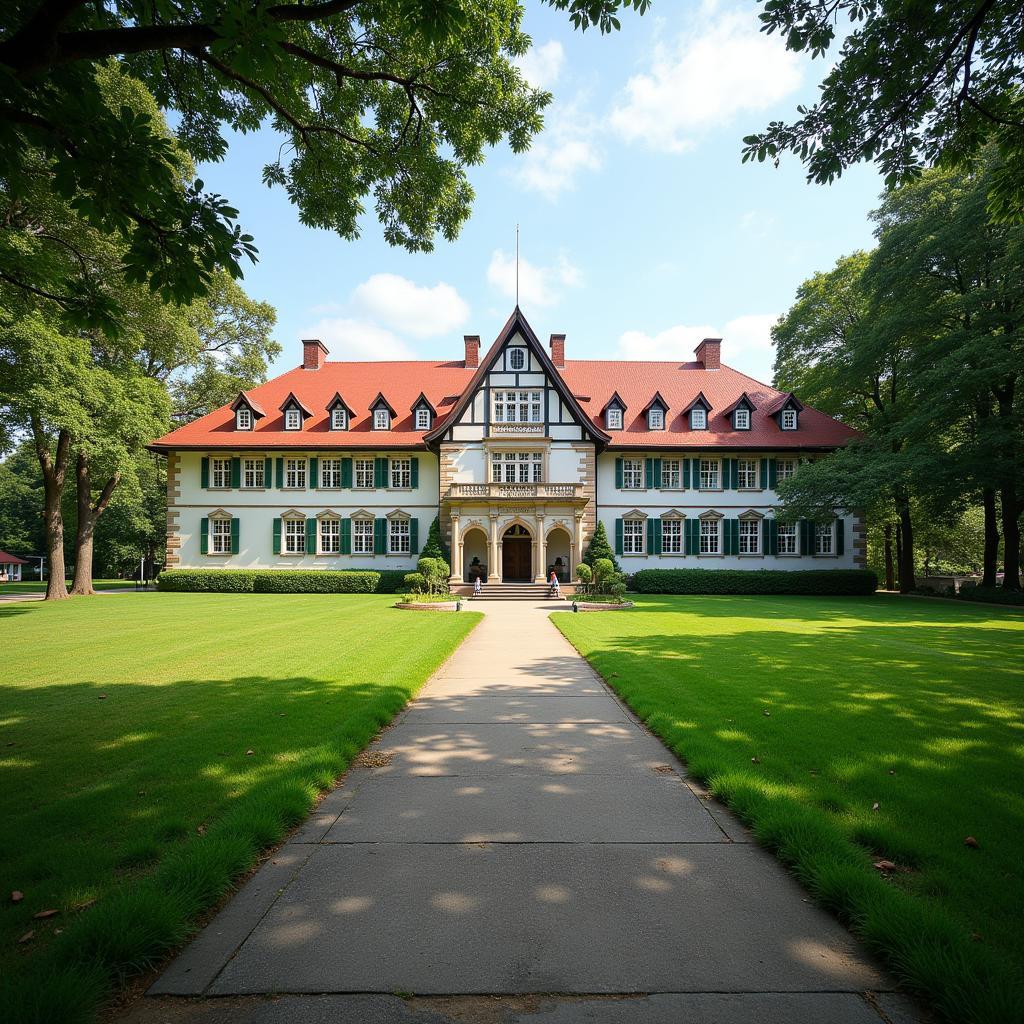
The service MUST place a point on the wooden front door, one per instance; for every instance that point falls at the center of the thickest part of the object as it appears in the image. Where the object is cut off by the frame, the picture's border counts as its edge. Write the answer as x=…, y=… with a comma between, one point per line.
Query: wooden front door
x=515, y=556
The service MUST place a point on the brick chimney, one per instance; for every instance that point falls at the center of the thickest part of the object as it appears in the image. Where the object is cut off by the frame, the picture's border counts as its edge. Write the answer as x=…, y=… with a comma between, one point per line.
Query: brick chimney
x=472, y=350
x=557, y=345
x=314, y=352
x=709, y=352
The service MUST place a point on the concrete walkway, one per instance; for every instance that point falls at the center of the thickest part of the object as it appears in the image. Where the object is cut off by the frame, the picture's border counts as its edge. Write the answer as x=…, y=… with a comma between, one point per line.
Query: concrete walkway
x=516, y=831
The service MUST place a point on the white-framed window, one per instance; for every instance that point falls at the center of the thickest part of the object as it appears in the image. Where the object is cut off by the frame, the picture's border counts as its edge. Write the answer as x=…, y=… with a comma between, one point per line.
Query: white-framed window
x=398, y=536
x=746, y=472
x=292, y=418
x=709, y=469
x=741, y=418
x=656, y=418
x=339, y=418
x=710, y=537
x=824, y=539
x=362, y=536
x=253, y=473
x=294, y=536
x=243, y=418
x=632, y=474
x=632, y=536
x=613, y=418
x=220, y=536
x=295, y=472
x=789, y=419
x=330, y=536
x=750, y=536
x=517, y=467
x=422, y=418
x=788, y=539
x=698, y=418
x=785, y=469
x=363, y=472
x=516, y=358
x=401, y=473
x=220, y=472
x=518, y=407
x=330, y=472
x=671, y=536
x=381, y=419
x=670, y=474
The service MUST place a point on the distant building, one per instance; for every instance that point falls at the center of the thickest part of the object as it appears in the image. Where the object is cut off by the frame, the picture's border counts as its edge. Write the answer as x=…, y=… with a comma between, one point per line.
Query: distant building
x=520, y=452
x=10, y=567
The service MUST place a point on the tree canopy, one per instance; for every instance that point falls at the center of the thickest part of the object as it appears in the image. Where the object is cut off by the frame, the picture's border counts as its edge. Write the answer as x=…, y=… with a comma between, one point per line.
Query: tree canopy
x=912, y=86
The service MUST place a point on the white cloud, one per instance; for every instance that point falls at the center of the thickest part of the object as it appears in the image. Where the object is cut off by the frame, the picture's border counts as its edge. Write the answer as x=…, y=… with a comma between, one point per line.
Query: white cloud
x=411, y=308
x=746, y=344
x=538, y=286
x=567, y=146
x=541, y=65
x=356, y=339
x=721, y=68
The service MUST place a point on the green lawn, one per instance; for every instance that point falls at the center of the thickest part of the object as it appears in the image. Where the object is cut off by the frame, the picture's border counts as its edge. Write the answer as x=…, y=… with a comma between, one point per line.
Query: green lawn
x=151, y=746
x=35, y=587
x=849, y=730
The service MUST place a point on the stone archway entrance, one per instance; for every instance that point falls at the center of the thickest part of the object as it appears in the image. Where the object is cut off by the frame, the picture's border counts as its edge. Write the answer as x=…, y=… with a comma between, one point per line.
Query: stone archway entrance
x=517, y=555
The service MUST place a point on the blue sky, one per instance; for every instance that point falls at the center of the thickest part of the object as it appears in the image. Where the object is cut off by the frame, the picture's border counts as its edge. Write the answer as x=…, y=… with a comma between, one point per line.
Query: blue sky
x=641, y=231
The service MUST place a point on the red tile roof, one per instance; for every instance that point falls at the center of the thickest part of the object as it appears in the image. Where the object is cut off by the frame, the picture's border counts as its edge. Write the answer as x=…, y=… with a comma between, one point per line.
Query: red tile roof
x=591, y=381
x=7, y=559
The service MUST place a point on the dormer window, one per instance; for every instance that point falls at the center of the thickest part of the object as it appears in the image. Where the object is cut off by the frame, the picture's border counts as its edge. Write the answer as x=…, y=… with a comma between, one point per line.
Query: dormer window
x=381, y=419
x=788, y=419
x=741, y=419
x=656, y=418
x=613, y=418
x=698, y=418
x=243, y=418
x=516, y=358
x=292, y=418
x=422, y=418
x=339, y=418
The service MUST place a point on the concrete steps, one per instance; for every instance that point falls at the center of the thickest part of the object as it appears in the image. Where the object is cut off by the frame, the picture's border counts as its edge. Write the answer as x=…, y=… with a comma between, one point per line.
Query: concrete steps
x=509, y=592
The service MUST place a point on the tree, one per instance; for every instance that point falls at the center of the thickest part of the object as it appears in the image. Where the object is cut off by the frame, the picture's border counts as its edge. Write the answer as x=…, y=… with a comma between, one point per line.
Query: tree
x=435, y=546
x=390, y=100
x=21, y=498
x=912, y=86
x=600, y=548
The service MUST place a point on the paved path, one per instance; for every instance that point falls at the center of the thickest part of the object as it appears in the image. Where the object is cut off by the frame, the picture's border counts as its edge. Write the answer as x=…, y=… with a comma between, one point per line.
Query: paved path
x=517, y=831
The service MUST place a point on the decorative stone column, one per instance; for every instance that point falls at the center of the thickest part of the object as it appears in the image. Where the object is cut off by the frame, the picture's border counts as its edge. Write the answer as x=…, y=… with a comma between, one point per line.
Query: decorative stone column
x=494, y=574
x=541, y=549
x=456, y=566
x=577, y=542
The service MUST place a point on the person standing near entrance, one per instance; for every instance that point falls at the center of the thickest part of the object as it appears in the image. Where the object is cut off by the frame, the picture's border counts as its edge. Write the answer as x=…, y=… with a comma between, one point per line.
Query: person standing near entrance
x=476, y=586
x=554, y=589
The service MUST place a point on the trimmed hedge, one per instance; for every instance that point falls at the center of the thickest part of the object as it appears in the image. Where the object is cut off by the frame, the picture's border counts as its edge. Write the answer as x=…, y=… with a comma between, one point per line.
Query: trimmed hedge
x=392, y=581
x=754, y=581
x=990, y=595
x=269, y=581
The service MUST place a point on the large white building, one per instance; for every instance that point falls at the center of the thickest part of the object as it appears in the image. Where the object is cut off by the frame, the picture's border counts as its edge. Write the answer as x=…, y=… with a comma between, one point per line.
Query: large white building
x=337, y=465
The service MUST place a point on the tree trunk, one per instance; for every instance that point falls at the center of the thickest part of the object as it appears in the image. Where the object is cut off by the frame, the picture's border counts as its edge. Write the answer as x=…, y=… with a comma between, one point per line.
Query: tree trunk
x=88, y=514
x=890, y=575
x=907, y=581
x=990, y=557
x=54, y=467
x=899, y=555
x=1011, y=534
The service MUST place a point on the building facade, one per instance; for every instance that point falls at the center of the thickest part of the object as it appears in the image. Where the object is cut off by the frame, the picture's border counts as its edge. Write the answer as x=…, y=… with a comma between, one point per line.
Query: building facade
x=344, y=465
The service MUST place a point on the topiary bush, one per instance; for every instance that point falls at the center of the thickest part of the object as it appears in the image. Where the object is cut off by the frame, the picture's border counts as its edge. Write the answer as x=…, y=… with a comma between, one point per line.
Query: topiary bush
x=755, y=581
x=435, y=546
x=415, y=582
x=269, y=581
x=600, y=548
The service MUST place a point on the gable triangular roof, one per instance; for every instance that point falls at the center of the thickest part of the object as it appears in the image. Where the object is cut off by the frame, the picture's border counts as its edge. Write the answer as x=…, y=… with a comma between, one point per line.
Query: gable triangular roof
x=293, y=400
x=421, y=402
x=338, y=400
x=614, y=400
x=744, y=398
x=780, y=403
x=517, y=323
x=656, y=399
x=698, y=398
x=381, y=400
x=243, y=399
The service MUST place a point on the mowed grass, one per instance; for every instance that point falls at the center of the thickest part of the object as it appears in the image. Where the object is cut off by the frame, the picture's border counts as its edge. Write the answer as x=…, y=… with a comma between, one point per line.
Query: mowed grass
x=35, y=587
x=848, y=731
x=152, y=745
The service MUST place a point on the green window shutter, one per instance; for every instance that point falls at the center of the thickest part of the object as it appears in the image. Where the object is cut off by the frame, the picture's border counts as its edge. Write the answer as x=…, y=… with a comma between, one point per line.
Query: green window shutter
x=346, y=534
x=657, y=536
x=235, y=524
x=204, y=536
x=734, y=474
x=314, y=473
x=277, y=536
x=650, y=537
x=414, y=473
x=380, y=536
x=692, y=530
x=346, y=473
x=618, y=474
x=204, y=472
x=311, y=525
x=806, y=537
x=727, y=536
x=236, y=472
x=380, y=472
x=414, y=536
x=840, y=523
x=648, y=473
x=279, y=470
x=618, y=536
x=773, y=474
x=771, y=537
x=657, y=473
x=268, y=472
x=762, y=480
x=686, y=473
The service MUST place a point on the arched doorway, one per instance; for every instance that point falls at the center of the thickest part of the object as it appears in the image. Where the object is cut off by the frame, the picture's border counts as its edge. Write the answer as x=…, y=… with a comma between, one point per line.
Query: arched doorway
x=559, y=551
x=517, y=555
x=474, y=555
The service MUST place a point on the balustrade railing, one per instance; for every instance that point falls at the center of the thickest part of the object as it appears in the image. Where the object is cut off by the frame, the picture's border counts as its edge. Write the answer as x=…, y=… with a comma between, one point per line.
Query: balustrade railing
x=502, y=490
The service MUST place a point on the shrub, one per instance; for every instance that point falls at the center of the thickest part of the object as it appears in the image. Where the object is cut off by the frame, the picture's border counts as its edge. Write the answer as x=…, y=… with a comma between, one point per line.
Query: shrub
x=269, y=581
x=990, y=595
x=392, y=581
x=599, y=547
x=584, y=573
x=435, y=547
x=207, y=581
x=755, y=581
x=604, y=568
x=415, y=582
x=435, y=572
